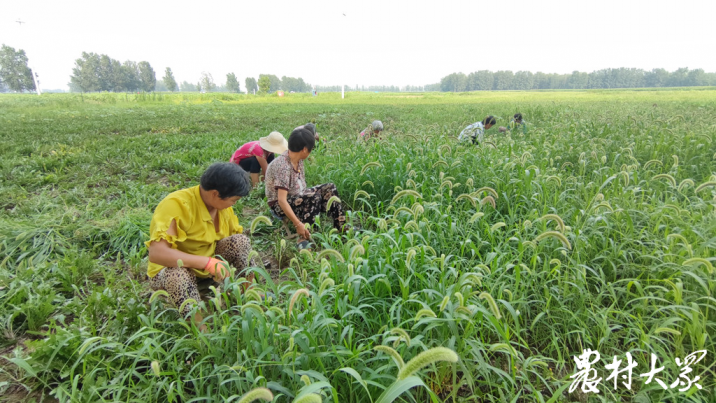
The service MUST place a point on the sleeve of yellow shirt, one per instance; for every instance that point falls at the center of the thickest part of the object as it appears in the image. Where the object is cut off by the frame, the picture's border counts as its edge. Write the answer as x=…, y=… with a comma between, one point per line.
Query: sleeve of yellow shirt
x=170, y=209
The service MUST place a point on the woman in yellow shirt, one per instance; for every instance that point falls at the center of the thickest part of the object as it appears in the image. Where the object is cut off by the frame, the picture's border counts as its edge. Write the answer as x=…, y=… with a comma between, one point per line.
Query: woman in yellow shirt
x=193, y=225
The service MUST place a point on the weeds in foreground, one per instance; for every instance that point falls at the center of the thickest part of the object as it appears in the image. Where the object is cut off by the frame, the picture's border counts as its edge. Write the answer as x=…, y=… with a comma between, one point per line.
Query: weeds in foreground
x=478, y=274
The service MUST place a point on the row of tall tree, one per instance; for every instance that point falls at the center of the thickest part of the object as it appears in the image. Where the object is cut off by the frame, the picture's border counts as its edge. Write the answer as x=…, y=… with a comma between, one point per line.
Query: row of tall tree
x=485, y=80
x=94, y=72
x=14, y=73
x=206, y=83
x=268, y=83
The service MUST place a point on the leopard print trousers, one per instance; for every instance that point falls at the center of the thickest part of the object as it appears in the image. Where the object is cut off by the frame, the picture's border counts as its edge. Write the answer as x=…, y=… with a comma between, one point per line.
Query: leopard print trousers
x=181, y=283
x=312, y=202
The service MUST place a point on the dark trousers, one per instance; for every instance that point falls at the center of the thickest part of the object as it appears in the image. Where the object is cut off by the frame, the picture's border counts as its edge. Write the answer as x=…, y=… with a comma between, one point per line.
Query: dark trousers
x=312, y=202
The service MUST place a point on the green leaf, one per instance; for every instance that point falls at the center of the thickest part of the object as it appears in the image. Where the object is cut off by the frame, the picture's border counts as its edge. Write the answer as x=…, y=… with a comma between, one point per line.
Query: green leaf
x=398, y=388
x=312, y=388
x=557, y=396
x=24, y=365
x=352, y=372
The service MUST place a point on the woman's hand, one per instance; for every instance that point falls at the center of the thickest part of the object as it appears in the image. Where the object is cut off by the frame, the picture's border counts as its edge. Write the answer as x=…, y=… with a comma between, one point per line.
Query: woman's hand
x=218, y=269
x=288, y=211
x=303, y=231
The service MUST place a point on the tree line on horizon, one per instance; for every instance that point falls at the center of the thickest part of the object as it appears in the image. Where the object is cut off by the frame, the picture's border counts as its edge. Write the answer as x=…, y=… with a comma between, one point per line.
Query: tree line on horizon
x=98, y=72
x=486, y=80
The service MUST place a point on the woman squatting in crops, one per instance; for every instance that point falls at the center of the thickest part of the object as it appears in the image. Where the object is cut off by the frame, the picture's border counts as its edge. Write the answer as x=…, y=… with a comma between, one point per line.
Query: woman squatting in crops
x=287, y=193
x=255, y=156
x=476, y=131
x=372, y=131
x=193, y=225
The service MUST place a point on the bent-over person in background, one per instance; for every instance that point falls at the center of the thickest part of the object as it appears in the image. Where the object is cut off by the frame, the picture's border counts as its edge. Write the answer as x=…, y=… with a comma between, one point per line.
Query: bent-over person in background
x=372, y=131
x=516, y=123
x=476, y=131
x=255, y=156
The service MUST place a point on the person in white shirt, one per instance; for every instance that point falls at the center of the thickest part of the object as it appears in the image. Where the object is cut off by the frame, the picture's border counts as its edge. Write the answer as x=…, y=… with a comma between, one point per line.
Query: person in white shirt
x=476, y=131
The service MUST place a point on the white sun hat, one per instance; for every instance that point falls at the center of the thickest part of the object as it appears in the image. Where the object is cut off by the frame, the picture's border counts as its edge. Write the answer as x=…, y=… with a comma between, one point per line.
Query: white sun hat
x=274, y=142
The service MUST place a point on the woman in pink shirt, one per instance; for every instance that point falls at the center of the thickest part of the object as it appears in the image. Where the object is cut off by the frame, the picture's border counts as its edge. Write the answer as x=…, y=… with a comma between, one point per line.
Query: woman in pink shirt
x=255, y=156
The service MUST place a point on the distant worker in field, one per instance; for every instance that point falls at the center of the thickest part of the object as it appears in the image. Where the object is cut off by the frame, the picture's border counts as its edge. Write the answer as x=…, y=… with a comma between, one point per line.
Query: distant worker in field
x=312, y=128
x=515, y=124
x=192, y=226
x=255, y=156
x=476, y=131
x=288, y=195
x=372, y=131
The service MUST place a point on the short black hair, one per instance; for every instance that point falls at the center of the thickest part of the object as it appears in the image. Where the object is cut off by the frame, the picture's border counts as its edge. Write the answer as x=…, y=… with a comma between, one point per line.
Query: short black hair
x=229, y=179
x=490, y=120
x=301, y=138
x=518, y=116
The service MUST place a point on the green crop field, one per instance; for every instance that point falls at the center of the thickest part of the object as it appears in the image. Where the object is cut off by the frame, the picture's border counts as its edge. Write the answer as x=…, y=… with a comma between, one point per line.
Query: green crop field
x=480, y=272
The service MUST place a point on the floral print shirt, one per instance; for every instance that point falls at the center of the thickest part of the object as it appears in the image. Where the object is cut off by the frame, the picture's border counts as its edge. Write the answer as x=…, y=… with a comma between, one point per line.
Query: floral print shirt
x=281, y=175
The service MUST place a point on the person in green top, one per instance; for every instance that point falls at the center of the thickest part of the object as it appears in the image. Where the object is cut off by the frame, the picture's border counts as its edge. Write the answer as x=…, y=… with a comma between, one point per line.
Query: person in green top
x=516, y=123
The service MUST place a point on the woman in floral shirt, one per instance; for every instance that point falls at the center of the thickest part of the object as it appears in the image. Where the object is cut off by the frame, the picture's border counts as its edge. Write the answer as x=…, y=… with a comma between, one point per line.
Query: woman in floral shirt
x=288, y=195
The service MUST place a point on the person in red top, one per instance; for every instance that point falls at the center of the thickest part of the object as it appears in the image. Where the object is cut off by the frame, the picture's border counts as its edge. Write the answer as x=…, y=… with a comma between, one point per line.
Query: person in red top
x=255, y=156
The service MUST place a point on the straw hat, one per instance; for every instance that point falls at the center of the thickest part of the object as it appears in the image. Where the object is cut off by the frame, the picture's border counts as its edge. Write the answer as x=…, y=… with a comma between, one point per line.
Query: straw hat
x=274, y=142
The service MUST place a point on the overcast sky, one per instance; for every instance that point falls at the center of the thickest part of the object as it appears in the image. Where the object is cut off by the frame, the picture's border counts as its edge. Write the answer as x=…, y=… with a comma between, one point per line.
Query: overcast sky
x=366, y=42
